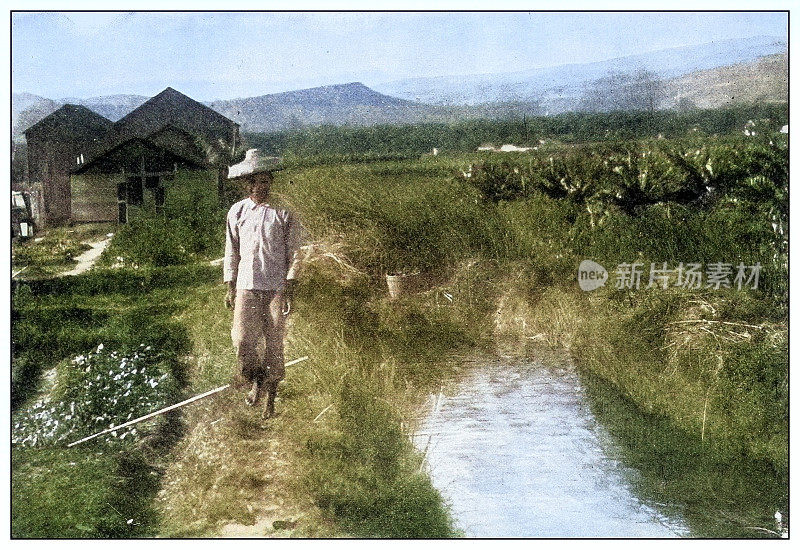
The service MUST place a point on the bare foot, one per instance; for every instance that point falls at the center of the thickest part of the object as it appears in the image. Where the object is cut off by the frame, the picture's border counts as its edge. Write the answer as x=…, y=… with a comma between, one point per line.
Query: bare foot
x=269, y=408
x=255, y=395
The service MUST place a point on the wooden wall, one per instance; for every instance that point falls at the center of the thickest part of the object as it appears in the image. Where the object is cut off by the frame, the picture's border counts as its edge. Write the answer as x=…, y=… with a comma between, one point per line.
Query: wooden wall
x=94, y=197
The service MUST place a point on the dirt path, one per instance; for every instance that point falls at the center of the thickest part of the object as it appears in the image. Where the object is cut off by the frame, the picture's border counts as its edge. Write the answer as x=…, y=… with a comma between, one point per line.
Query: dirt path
x=88, y=258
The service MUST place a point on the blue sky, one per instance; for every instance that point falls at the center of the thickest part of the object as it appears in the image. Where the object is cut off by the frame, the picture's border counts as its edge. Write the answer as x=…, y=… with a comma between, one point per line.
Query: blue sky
x=227, y=55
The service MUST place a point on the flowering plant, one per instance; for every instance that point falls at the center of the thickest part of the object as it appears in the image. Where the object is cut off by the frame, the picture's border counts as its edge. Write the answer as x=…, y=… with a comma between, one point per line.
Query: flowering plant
x=99, y=390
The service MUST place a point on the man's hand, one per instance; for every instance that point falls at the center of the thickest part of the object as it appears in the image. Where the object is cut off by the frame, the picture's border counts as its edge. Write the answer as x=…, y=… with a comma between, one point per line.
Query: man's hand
x=230, y=296
x=288, y=296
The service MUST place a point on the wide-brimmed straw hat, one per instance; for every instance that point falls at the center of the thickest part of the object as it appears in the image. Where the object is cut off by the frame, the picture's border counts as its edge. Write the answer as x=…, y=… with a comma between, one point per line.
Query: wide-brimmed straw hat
x=254, y=164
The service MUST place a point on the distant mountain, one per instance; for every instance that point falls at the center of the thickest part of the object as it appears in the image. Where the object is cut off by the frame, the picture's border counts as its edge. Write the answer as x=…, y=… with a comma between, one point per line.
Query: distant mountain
x=23, y=101
x=559, y=88
x=27, y=110
x=351, y=104
x=342, y=104
x=748, y=78
x=113, y=107
x=765, y=80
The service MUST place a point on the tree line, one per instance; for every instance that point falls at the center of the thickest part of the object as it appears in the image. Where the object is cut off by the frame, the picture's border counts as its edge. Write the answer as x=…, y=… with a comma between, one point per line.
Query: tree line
x=348, y=143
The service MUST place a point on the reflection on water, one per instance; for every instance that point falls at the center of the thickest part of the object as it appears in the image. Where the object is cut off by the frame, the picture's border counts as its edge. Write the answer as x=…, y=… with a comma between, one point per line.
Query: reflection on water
x=518, y=452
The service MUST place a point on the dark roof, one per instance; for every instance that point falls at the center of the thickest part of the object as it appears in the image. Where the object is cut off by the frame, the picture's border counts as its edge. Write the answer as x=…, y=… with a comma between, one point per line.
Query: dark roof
x=173, y=109
x=73, y=122
x=180, y=143
x=122, y=153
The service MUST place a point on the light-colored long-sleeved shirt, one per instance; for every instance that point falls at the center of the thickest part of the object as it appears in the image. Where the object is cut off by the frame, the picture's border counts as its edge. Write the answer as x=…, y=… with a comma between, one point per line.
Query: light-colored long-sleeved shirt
x=261, y=246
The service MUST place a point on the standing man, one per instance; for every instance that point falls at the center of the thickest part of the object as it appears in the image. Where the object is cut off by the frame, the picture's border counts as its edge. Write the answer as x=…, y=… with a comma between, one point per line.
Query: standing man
x=261, y=263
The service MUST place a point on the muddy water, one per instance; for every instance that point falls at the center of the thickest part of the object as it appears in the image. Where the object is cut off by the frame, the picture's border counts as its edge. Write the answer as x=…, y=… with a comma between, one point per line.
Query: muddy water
x=517, y=451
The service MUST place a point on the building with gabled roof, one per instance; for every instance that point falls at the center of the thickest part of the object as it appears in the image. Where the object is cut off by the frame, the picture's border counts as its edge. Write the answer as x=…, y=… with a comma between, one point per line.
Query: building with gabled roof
x=148, y=153
x=55, y=144
x=117, y=168
x=174, y=109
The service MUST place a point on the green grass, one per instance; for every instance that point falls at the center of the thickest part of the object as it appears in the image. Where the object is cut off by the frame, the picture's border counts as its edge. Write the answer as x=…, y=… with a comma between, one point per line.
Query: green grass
x=80, y=493
x=56, y=249
x=719, y=497
x=104, y=484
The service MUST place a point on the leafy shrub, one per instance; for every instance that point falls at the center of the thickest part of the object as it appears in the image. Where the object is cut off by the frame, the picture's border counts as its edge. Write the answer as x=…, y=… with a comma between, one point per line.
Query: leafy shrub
x=150, y=240
x=192, y=224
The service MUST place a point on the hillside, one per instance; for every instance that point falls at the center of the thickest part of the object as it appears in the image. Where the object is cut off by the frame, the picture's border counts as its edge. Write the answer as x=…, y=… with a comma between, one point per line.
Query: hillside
x=342, y=104
x=28, y=109
x=764, y=80
x=561, y=87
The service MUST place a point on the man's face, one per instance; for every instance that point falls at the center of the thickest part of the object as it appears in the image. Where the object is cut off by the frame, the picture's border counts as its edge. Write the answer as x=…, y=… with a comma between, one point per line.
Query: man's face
x=259, y=188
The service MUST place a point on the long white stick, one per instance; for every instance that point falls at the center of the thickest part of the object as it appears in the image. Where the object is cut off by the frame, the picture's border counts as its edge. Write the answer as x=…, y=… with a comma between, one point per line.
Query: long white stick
x=170, y=408
x=295, y=361
x=151, y=415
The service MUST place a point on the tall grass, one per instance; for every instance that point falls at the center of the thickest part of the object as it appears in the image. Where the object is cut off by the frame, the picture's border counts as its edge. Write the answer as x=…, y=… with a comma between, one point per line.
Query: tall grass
x=622, y=336
x=714, y=363
x=396, y=217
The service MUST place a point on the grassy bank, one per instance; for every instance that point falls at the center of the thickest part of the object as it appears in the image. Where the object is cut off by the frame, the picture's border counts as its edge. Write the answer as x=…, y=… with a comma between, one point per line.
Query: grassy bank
x=717, y=497
x=337, y=460
x=702, y=361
